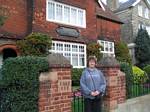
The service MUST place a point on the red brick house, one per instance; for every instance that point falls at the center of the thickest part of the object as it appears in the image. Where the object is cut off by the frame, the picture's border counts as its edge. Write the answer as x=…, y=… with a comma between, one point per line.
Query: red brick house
x=70, y=23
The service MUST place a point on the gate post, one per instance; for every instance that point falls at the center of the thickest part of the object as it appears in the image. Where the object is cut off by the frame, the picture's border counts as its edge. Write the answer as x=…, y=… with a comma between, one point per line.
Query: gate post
x=55, y=86
x=115, y=91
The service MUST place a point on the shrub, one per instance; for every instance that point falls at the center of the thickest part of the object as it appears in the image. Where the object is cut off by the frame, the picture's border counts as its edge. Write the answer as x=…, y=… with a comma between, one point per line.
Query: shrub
x=142, y=49
x=147, y=70
x=20, y=78
x=127, y=69
x=139, y=75
x=76, y=74
x=122, y=52
x=36, y=44
x=93, y=49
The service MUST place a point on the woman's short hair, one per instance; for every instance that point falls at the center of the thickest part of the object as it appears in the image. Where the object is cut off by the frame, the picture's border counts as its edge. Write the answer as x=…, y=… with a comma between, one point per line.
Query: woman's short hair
x=92, y=58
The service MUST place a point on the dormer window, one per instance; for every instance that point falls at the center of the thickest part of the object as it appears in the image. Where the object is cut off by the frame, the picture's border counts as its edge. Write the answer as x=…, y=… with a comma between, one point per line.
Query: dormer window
x=65, y=14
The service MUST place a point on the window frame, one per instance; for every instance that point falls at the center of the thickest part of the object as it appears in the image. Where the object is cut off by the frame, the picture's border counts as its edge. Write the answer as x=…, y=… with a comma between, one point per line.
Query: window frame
x=63, y=20
x=70, y=51
x=104, y=51
x=140, y=10
x=146, y=13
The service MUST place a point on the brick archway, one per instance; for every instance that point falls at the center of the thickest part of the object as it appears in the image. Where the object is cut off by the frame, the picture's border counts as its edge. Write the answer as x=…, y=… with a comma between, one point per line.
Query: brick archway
x=9, y=46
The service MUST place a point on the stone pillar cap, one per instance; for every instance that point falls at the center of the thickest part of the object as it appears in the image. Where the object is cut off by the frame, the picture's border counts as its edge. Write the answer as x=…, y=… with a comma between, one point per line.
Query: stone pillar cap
x=58, y=60
x=108, y=62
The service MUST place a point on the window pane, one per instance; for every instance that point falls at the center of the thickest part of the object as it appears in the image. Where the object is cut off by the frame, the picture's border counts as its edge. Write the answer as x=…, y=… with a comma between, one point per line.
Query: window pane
x=58, y=12
x=140, y=10
x=73, y=16
x=68, y=56
x=75, y=59
x=66, y=14
x=67, y=47
x=74, y=48
x=81, y=49
x=59, y=47
x=51, y=11
x=80, y=17
x=102, y=44
x=81, y=60
x=106, y=46
x=53, y=46
x=110, y=47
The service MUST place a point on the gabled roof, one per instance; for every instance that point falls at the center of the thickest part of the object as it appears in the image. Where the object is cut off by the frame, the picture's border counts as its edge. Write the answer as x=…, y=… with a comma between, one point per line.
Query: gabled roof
x=106, y=13
x=126, y=5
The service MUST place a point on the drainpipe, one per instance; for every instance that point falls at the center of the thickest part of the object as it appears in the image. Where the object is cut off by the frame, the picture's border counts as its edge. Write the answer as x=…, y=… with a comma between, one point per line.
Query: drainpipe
x=30, y=15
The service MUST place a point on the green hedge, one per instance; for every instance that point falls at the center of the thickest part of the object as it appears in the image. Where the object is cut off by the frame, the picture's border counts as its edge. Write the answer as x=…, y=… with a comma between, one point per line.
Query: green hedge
x=76, y=74
x=140, y=76
x=147, y=69
x=127, y=69
x=20, y=84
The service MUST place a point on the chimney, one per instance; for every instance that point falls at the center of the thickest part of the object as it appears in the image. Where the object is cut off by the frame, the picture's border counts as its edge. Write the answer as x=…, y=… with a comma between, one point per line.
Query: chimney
x=113, y=4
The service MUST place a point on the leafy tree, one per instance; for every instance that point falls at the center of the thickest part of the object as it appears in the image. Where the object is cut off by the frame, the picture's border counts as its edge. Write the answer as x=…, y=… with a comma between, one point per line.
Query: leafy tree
x=36, y=44
x=93, y=49
x=122, y=52
x=142, y=49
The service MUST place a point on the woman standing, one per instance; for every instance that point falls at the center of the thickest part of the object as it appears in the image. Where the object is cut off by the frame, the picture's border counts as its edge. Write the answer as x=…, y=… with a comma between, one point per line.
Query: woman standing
x=93, y=85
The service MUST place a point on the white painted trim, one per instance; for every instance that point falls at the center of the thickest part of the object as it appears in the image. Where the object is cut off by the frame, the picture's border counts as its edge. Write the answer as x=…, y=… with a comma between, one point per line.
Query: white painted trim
x=101, y=4
x=71, y=52
x=63, y=22
x=135, y=3
x=107, y=52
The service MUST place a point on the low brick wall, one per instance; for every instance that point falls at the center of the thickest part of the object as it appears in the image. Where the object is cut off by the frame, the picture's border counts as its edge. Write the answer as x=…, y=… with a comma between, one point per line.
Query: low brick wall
x=55, y=86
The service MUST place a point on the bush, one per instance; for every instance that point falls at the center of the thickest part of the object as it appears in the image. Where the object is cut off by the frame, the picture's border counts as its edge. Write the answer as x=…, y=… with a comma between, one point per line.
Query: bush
x=147, y=70
x=127, y=69
x=76, y=74
x=122, y=52
x=93, y=49
x=20, y=78
x=139, y=75
x=142, y=49
x=36, y=44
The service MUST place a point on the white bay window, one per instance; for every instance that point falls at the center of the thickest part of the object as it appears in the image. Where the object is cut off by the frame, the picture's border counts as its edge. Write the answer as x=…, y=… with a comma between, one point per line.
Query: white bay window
x=74, y=52
x=65, y=14
x=107, y=48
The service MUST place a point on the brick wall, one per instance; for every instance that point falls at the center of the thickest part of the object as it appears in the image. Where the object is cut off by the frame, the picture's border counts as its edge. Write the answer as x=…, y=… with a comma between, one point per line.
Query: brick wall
x=40, y=23
x=16, y=22
x=55, y=87
x=116, y=89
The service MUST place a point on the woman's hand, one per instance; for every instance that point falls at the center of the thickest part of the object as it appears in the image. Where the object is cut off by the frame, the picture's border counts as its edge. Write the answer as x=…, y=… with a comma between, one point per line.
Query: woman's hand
x=95, y=93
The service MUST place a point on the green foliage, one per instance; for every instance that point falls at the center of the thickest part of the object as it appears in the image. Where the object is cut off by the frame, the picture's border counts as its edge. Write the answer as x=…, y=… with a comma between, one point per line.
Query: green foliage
x=122, y=52
x=127, y=69
x=147, y=69
x=20, y=78
x=36, y=44
x=2, y=20
x=93, y=49
x=142, y=49
x=76, y=74
x=3, y=15
x=139, y=75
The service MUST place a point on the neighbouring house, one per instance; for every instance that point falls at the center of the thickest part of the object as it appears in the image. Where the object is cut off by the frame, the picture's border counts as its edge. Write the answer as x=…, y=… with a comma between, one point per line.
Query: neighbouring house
x=70, y=23
x=134, y=14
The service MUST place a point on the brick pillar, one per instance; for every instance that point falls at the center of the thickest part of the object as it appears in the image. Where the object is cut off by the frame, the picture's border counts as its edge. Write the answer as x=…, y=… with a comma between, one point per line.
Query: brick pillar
x=115, y=91
x=55, y=86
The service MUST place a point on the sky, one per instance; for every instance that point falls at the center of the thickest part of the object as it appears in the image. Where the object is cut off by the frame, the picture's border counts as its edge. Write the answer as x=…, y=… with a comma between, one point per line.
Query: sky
x=119, y=1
